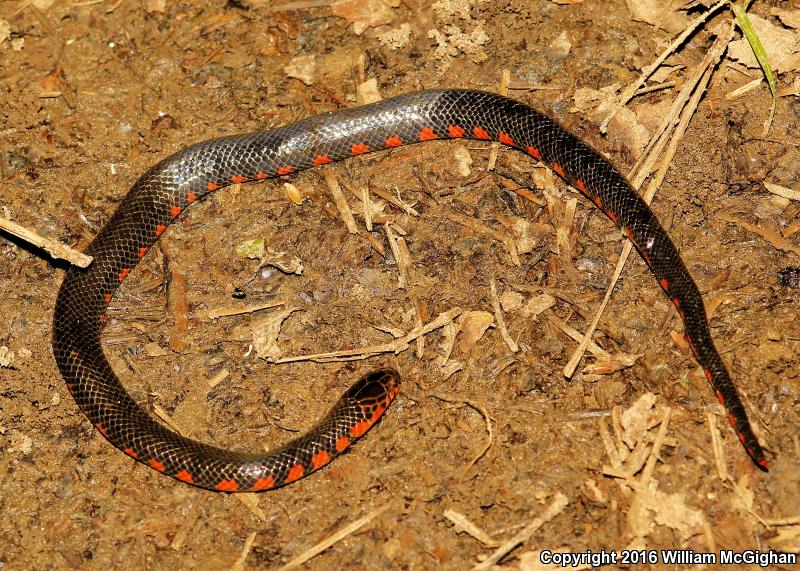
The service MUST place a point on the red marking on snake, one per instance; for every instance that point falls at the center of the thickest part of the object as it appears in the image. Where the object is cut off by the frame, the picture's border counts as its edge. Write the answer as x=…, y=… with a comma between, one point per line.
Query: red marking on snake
x=156, y=465
x=160, y=229
x=394, y=141
x=107, y=297
x=321, y=160
x=124, y=274
x=358, y=429
x=131, y=452
x=102, y=429
x=427, y=134
x=664, y=284
x=455, y=131
x=629, y=234
x=143, y=252
x=341, y=443
x=174, y=211
x=264, y=483
x=359, y=149
x=580, y=186
x=481, y=134
x=227, y=486
x=261, y=175
x=295, y=473
x=534, y=152
x=598, y=201
x=185, y=476
x=285, y=170
x=613, y=216
x=190, y=197
x=763, y=462
x=720, y=396
x=212, y=186
x=320, y=459
x=710, y=377
x=506, y=139
x=559, y=169
x=238, y=179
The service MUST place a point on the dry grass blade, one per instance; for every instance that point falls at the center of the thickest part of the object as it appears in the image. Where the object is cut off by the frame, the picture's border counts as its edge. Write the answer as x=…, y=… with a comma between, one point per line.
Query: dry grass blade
x=349, y=529
x=709, y=63
x=761, y=55
x=498, y=317
x=556, y=507
x=477, y=226
x=231, y=311
x=650, y=467
x=239, y=564
x=719, y=453
x=396, y=346
x=769, y=235
x=340, y=201
x=55, y=249
x=631, y=90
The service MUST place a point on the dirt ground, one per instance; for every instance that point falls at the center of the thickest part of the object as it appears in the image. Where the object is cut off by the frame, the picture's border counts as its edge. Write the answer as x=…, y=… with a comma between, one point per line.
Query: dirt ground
x=93, y=93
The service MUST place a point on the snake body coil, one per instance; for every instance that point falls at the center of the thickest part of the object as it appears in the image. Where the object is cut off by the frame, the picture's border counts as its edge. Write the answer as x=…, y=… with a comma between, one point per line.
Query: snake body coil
x=167, y=188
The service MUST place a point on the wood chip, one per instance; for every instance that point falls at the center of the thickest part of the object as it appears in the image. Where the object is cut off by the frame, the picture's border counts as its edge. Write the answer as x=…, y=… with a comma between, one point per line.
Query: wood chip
x=782, y=191
x=463, y=525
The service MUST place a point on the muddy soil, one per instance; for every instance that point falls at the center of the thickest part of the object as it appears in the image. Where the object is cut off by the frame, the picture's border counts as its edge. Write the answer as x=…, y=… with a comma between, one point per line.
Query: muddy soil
x=93, y=93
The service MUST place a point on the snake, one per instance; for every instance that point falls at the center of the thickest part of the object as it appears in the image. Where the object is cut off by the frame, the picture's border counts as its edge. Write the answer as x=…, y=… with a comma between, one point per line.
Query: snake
x=166, y=189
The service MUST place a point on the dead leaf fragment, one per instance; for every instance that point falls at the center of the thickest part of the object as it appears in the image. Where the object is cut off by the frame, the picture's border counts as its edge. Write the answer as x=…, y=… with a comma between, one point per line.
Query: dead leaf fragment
x=612, y=364
x=303, y=68
x=473, y=325
x=537, y=305
x=368, y=92
x=790, y=18
x=363, y=14
x=636, y=419
x=265, y=334
x=511, y=301
x=6, y=356
x=5, y=30
x=657, y=13
x=396, y=38
x=155, y=6
x=559, y=48
x=652, y=507
x=782, y=46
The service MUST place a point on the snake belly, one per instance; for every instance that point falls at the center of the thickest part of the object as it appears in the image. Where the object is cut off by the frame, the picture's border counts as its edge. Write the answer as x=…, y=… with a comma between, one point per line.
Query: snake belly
x=167, y=188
